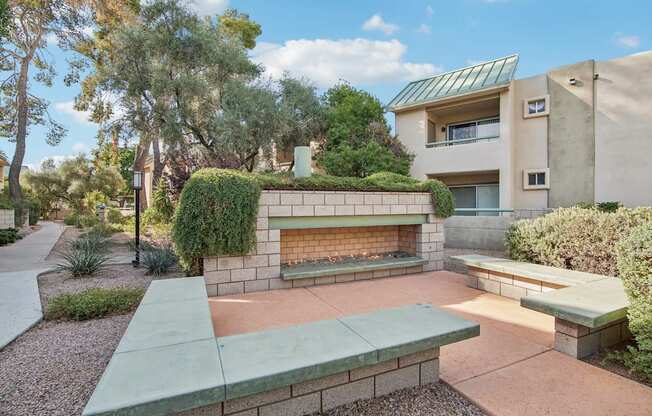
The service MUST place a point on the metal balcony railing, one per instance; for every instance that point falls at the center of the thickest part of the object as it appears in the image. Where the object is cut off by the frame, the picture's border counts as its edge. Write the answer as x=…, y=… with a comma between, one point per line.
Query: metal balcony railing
x=446, y=143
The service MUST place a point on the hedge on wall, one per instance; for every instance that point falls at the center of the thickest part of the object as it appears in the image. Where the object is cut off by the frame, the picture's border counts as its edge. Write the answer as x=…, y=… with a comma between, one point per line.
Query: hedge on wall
x=574, y=238
x=634, y=254
x=216, y=215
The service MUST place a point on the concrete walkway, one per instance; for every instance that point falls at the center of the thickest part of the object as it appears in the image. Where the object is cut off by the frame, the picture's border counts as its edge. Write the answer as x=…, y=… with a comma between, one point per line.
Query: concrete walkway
x=20, y=263
x=510, y=369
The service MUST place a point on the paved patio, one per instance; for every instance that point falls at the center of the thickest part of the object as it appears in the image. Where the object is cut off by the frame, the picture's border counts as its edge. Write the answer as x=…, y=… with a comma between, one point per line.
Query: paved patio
x=510, y=369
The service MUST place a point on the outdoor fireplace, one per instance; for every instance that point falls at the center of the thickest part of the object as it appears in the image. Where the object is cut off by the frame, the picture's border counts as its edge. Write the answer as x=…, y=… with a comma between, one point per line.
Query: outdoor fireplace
x=320, y=237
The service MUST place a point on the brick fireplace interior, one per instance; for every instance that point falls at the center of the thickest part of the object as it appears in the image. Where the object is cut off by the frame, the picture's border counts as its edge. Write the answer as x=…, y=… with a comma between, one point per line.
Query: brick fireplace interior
x=298, y=245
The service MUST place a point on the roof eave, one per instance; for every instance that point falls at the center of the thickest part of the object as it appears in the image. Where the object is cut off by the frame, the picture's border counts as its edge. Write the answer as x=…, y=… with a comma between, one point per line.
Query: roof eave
x=423, y=103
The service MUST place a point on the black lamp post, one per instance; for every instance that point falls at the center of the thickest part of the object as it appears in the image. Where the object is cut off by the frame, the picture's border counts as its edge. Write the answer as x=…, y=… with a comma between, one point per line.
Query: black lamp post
x=137, y=185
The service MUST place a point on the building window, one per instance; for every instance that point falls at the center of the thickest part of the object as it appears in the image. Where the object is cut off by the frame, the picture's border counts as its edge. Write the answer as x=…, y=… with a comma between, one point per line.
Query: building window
x=536, y=179
x=474, y=130
x=536, y=106
x=470, y=200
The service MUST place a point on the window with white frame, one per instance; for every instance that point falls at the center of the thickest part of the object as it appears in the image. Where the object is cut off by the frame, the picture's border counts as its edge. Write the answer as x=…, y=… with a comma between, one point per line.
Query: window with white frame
x=536, y=179
x=536, y=106
x=476, y=129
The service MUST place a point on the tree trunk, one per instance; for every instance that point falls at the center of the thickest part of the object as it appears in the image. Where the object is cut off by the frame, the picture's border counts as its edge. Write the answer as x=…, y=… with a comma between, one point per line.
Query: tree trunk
x=142, y=150
x=15, y=191
x=158, y=166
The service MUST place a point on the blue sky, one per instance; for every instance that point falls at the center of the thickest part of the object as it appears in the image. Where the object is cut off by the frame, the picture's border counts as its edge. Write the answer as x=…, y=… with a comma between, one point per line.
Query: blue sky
x=380, y=45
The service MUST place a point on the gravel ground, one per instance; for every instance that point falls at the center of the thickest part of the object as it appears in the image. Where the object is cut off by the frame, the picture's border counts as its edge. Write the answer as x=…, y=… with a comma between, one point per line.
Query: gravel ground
x=617, y=367
x=431, y=400
x=55, y=283
x=53, y=368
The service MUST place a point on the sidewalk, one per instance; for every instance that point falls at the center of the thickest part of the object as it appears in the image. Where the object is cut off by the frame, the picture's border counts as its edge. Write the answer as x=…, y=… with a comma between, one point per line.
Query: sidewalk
x=20, y=263
x=510, y=369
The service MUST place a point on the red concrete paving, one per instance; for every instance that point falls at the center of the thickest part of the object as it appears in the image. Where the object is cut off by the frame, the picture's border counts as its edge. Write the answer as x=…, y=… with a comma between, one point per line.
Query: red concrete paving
x=499, y=370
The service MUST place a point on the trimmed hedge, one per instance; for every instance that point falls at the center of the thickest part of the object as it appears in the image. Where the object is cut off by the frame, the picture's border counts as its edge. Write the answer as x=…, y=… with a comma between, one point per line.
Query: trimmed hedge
x=216, y=214
x=634, y=253
x=94, y=303
x=574, y=238
x=8, y=236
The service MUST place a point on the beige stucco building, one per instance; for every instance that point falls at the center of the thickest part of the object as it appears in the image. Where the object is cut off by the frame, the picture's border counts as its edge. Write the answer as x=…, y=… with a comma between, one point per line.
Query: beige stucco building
x=578, y=133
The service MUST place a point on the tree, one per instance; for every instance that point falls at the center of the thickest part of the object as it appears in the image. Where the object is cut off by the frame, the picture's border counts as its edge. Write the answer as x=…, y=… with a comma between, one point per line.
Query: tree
x=238, y=26
x=303, y=117
x=358, y=139
x=72, y=181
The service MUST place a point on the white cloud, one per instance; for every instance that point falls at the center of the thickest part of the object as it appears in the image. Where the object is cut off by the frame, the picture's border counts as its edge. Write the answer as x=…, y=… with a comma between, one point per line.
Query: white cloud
x=209, y=7
x=627, y=41
x=429, y=11
x=68, y=107
x=326, y=61
x=376, y=22
x=424, y=28
x=80, y=147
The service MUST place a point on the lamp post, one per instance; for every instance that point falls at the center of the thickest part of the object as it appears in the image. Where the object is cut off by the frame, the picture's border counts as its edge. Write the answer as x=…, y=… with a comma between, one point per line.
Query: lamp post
x=137, y=185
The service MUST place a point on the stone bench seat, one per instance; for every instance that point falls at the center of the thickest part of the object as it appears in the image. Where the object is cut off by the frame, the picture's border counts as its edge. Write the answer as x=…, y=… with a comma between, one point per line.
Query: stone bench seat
x=168, y=362
x=515, y=279
x=312, y=270
x=588, y=317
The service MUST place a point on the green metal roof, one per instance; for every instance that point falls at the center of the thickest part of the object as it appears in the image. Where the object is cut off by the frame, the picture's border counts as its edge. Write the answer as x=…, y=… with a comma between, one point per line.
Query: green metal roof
x=461, y=81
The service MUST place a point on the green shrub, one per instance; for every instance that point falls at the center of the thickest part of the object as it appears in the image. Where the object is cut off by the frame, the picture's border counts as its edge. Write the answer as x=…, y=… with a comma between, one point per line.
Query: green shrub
x=71, y=219
x=8, y=236
x=161, y=201
x=610, y=206
x=216, y=215
x=84, y=260
x=114, y=216
x=442, y=197
x=94, y=303
x=158, y=260
x=363, y=161
x=105, y=229
x=634, y=254
x=91, y=242
x=574, y=238
x=87, y=221
x=5, y=200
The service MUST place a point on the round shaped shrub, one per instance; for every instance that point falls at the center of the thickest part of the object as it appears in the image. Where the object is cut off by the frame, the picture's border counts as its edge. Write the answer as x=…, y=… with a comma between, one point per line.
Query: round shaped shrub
x=634, y=254
x=216, y=215
x=114, y=216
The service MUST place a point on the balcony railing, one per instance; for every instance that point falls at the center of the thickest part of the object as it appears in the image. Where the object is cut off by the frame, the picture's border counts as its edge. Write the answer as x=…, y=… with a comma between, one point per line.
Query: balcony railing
x=446, y=143
x=484, y=211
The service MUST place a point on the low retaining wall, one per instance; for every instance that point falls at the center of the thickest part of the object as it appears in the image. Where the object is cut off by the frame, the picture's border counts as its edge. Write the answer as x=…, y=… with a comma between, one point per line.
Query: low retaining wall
x=7, y=218
x=260, y=270
x=326, y=393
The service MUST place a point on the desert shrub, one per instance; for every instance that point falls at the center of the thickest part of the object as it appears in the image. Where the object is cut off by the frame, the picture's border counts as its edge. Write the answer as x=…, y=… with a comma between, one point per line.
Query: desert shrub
x=216, y=215
x=114, y=216
x=158, y=260
x=87, y=221
x=71, y=219
x=104, y=229
x=363, y=161
x=92, y=242
x=608, y=206
x=8, y=236
x=574, y=238
x=84, y=257
x=94, y=303
x=634, y=255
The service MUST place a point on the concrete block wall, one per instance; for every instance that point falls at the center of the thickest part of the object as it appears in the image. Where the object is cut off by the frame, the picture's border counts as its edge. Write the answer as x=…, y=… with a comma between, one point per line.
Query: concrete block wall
x=7, y=218
x=326, y=393
x=580, y=341
x=507, y=285
x=260, y=269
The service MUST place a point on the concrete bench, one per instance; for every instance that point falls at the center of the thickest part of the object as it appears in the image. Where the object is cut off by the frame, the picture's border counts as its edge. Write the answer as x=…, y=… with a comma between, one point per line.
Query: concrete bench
x=588, y=317
x=515, y=279
x=590, y=310
x=169, y=361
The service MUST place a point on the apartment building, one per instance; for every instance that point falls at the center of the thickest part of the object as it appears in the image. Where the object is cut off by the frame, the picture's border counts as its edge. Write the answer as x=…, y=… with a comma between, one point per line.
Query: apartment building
x=578, y=133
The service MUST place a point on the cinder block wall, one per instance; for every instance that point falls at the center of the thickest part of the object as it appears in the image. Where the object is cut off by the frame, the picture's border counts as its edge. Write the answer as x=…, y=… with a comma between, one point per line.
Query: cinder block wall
x=260, y=269
x=7, y=218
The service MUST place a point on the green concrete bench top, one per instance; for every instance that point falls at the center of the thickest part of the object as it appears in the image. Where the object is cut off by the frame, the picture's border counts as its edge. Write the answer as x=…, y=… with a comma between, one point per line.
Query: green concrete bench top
x=309, y=270
x=548, y=274
x=593, y=304
x=268, y=360
x=168, y=361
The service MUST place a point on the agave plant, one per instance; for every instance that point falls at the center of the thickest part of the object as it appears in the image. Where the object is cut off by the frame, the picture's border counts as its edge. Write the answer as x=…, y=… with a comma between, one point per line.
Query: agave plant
x=82, y=261
x=158, y=260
